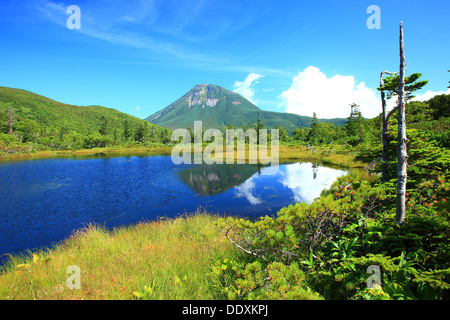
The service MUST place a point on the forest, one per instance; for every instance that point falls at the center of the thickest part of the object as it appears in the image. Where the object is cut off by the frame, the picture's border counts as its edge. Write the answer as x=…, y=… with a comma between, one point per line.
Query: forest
x=30, y=123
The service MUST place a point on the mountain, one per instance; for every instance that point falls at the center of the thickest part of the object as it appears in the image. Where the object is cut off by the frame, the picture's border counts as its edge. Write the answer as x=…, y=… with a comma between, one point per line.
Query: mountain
x=217, y=107
x=39, y=116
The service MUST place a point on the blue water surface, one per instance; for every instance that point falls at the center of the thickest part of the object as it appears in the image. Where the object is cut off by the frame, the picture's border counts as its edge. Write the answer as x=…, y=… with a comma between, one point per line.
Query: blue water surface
x=42, y=201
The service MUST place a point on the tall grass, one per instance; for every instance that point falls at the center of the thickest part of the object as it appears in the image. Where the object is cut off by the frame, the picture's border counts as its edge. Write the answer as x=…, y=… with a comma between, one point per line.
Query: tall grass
x=294, y=153
x=286, y=153
x=165, y=259
x=94, y=151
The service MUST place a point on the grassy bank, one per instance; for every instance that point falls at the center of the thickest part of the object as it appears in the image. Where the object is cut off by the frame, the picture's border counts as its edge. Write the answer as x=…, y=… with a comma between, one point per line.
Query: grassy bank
x=294, y=153
x=286, y=153
x=165, y=259
x=322, y=155
x=86, y=152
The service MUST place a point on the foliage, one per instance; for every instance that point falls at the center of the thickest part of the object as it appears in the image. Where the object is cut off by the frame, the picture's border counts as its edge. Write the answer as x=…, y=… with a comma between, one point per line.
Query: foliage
x=440, y=106
x=350, y=227
x=256, y=281
x=391, y=85
x=308, y=251
x=44, y=124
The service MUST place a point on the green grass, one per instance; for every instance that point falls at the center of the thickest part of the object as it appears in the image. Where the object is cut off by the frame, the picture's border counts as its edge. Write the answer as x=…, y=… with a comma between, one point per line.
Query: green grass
x=286, y=153
x=173, y=257
x=86, y=152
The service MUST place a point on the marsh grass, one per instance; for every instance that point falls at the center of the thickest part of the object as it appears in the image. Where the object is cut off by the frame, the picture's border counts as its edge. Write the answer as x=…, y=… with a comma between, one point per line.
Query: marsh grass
x=172, y=257
x=94, y=151
x=294, y=153
x=286, y=153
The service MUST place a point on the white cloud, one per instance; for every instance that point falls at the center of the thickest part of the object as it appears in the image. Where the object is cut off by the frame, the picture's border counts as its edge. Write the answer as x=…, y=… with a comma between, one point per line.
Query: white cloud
x=137, y=108
x=391, y=103
x=245, y=89
x=312, y=91
x=428, y=95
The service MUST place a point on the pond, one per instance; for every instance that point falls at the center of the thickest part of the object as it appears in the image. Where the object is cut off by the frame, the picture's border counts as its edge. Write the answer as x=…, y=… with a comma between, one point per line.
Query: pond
x=43, y=200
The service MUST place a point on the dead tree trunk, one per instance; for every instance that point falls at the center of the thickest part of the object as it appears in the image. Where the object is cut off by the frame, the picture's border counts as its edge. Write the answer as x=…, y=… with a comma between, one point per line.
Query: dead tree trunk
x=402, y=154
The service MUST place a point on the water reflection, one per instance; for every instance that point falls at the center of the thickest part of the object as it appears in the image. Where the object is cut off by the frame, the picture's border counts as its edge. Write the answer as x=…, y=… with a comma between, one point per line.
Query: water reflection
x=246, y=190
x=306, y=180
x=214, y=179
x=303, y=181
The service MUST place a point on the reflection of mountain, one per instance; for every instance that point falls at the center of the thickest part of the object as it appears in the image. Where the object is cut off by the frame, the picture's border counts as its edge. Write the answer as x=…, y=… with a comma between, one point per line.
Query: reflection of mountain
x=262, y=186
x=214, y=179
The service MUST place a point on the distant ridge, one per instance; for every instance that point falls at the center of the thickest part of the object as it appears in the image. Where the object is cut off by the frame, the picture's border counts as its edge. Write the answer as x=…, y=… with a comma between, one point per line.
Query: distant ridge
x=217, y=107
x=43, y=114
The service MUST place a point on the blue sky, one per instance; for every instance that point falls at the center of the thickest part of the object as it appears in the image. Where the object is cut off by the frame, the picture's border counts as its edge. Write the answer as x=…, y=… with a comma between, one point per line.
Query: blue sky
x=288, y=56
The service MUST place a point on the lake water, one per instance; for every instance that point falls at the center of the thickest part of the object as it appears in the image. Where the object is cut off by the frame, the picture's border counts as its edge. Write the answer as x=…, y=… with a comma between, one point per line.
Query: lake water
x=43, y=200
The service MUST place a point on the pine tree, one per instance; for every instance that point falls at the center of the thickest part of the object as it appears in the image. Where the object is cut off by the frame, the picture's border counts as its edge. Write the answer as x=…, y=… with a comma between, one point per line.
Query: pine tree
x=389, y=87
x=259, y=126
x=126, y=130
x=314, y=132
x=103, y=126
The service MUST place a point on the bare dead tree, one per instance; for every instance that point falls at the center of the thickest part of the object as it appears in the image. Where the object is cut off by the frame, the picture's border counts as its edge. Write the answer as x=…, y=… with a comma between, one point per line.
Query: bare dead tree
x=402, y=154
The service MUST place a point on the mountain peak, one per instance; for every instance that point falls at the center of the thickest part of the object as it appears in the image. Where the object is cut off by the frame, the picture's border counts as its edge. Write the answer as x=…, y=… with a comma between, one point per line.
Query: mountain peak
x=205, y=102
x=217, y=107
x=205, y=95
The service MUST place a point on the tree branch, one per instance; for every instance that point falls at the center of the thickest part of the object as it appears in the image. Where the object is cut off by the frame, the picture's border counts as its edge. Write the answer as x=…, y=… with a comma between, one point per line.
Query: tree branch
x=241, y=248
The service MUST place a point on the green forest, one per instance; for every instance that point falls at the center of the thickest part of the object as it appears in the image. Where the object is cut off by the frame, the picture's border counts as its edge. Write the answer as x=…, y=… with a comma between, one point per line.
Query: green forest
x=30, y=123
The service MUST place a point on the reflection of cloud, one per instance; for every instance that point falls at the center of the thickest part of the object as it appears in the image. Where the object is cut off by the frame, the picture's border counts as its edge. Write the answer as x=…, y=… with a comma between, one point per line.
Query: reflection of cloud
x=299, y=178
x=245, y=190
x=270, y=170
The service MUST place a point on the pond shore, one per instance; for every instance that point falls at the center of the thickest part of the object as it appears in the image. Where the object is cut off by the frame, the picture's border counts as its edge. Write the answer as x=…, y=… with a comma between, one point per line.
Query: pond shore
x=286, y=153
x=163, y=259
x=172, y=256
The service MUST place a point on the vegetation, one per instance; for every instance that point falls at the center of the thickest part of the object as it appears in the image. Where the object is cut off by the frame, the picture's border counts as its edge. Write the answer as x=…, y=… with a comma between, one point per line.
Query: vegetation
x=393, y=225
x=325, y=250
x=30, y=123
x=332, y=244
x=166, y=259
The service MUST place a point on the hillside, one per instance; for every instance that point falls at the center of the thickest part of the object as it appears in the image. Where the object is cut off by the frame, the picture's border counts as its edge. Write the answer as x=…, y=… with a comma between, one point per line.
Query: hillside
x=50, y=123
x=217, y=107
